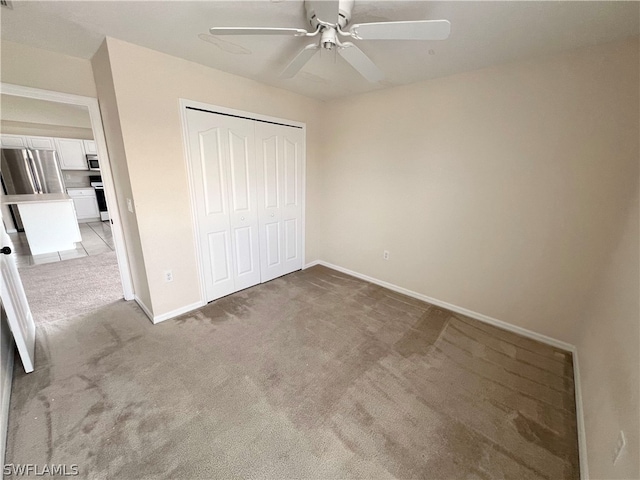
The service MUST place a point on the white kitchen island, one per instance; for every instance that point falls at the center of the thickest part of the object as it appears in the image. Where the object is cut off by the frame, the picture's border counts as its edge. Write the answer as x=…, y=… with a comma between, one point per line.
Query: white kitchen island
x=49, y=221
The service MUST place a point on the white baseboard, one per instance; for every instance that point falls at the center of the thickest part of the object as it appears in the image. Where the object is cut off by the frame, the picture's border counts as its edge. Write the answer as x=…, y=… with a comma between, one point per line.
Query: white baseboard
x=313, y=264
x=582, y=435
x=178, y=311
x=144, y=308
x=166, y=316
x=582, y=440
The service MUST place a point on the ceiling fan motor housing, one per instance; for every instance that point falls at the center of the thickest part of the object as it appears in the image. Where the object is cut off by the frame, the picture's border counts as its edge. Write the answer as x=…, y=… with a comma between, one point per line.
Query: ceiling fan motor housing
x=328, y=39
x=344, y=13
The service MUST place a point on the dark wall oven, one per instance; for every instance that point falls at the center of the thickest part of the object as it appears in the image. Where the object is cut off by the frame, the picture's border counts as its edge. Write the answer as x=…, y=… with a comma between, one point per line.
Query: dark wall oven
x=96, y=183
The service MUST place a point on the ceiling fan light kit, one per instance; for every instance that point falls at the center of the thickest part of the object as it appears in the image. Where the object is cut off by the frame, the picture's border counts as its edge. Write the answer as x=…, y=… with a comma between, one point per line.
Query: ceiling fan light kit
x=328, y=19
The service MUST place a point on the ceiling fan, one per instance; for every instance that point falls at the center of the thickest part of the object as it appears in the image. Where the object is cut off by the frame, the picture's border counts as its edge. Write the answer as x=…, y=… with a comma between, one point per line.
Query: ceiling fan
x=329, y=21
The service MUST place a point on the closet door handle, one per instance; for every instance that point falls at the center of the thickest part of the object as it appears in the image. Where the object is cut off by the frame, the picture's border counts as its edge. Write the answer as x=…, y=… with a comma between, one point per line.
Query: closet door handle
x=273, y=214
x=5, y=250
x=242, y=218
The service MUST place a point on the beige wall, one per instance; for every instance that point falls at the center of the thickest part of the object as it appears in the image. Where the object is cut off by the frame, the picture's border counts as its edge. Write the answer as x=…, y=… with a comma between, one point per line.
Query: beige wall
x=608, y=335
x=120, y=172
x=33, y=67
x=31, y=110
x=499, y=190
x=44, y=130
x=149, y=116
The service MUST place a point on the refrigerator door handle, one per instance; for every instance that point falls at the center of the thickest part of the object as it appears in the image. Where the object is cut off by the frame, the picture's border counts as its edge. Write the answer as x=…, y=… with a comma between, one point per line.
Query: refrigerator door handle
x=34, y=171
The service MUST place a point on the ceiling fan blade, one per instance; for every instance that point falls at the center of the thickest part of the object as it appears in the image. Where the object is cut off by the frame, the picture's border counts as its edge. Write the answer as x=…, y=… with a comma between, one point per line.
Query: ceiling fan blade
x=358, y=60
x=411, y=30
x=299, y=61
x=325, y=10
x=224, y=45
x=295, y=32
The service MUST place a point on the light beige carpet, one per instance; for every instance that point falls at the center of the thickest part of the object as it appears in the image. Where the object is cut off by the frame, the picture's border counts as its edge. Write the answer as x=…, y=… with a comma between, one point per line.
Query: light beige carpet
x=65, y=289
x=313, y=375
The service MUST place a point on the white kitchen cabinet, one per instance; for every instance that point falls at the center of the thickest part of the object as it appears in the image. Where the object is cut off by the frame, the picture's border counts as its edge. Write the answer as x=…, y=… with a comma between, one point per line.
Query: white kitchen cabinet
x=90, y=147
x=42, y=143
x=84, y=199
x=72, y=154
x=12, y=141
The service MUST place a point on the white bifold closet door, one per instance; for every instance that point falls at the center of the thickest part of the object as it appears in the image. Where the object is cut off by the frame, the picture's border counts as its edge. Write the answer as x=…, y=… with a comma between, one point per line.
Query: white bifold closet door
x=279, y=154
x=223, y=163
x=247, y=180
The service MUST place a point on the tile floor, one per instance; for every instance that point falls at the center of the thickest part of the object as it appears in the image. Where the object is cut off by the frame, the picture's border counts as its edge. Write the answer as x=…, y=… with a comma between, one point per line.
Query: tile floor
x=96, y=239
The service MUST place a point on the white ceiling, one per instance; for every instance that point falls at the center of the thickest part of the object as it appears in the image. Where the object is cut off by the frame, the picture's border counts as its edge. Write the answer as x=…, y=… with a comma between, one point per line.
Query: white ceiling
x=483, y=33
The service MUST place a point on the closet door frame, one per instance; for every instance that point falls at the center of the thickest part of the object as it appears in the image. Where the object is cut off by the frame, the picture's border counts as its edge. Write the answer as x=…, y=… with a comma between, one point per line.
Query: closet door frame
x=217, y=109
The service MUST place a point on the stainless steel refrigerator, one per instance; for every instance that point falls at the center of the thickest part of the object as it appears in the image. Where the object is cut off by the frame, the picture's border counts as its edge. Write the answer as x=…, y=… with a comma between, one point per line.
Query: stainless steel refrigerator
x=29, y=171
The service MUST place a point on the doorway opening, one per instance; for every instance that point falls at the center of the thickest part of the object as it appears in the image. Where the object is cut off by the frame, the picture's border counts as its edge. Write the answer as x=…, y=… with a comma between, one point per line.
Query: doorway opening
x=65, y=279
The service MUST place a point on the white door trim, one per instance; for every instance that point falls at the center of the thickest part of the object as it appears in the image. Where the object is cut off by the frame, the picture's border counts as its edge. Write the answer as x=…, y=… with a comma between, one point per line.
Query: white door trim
x=184, y=103
x=105, y=166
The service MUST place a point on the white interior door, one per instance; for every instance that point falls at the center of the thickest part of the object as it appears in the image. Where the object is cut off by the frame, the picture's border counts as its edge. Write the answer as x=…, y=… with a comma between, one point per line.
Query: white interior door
x=222, y=151
x=15, y=304
x=280, y=159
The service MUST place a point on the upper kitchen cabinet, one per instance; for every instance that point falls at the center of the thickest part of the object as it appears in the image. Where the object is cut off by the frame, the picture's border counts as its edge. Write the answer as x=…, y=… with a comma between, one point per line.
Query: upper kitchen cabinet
x=72, y=154
x=41, y=143
x=12, y=141
x=90, y=147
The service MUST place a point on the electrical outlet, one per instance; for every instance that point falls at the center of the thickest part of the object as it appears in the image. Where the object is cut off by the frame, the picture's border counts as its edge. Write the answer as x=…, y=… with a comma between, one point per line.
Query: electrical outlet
x=621, y=442
x=168, y=276
x=67, y=177
x=129, y=205
x=385, y=254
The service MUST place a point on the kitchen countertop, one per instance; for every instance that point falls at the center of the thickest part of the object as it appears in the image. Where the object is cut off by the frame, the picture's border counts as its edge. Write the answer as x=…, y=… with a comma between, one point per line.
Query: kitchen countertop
x=34, y=198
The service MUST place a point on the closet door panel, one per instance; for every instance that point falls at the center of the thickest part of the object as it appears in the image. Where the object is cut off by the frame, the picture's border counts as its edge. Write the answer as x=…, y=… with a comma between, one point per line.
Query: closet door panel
x=220, y=255
x=291, y=177
x=240, y=168
x=272, y=234
x=291, y=212
x=269, y=161
x=291, y=240
x=209, y=165
x=244, y=202
x=244, y=243
x=212, y=165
